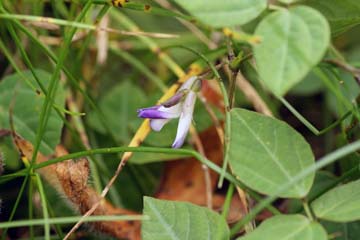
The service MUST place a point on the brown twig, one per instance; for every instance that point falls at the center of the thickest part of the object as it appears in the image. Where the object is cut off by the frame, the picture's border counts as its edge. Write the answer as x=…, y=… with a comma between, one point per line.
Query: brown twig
x=199, y=146
x=102, y=41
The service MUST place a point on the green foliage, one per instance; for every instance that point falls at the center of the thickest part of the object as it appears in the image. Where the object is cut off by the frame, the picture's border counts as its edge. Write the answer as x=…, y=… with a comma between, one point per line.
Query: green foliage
x=119, y=107
x=292, y=42
x=266, y=153
x=288, y=227
x=224, y=13
x=19, y=97
x=341, y=204
x=343, y=231
x=176, y=220
x=341, y=14
x=285, y=67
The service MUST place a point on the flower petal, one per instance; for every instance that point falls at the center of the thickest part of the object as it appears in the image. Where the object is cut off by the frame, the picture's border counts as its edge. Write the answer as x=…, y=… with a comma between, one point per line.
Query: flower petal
x=158, y=124
x=185, y=119
x=160, y=112
x=188, y=83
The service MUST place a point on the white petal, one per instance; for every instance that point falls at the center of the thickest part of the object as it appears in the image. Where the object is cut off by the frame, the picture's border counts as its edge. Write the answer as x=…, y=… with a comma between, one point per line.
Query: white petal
x=185, y=119
x=188, y=83
x=158, y=124
x=171, y=112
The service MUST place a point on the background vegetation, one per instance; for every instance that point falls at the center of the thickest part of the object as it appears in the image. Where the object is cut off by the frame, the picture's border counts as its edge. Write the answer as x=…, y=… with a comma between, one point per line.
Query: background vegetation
x=273, y=149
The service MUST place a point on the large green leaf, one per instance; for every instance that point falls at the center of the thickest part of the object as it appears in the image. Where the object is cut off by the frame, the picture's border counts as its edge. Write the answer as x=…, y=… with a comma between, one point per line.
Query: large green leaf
x=341, y=14
x=293, y=41
x=27, y=104
x=287, y=227
x=171, y=220
x=119, y=107
x=224, y=13
x=341, y=204
x=266, y=153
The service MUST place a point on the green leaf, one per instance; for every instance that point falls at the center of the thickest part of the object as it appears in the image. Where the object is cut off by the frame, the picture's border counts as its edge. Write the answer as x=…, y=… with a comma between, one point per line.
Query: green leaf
x=287, y=227
x=293, y=41
x=265, y=153
x=224, y=13
x=341, y=14
x=119, y=107
x=341, y=204
x=171, y=220
x=342, y=231
x=27, y=107
x=310, y=85
x=323, y=180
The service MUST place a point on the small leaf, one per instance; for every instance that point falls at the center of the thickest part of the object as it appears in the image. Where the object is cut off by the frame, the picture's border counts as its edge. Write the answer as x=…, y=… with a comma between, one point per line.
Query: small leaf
x=287, y=227
x=27, y=105
x=171, y=220
x=224, y=13
x=293, y=41
x=341, y=14
x=341, y=204
x=266, y=153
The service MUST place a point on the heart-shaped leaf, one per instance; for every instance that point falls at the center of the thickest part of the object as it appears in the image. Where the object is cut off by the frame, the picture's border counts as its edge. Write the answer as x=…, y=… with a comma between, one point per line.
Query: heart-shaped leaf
x=293, y=41
x=266, y=153
x=224, y=13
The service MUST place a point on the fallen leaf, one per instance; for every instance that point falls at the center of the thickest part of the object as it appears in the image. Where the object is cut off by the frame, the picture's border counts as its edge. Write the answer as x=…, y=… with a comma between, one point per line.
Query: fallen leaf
x=71, y=179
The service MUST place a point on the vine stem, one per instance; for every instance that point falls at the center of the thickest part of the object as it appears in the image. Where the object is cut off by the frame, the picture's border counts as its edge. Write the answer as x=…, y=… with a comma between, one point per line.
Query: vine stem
x=307, y=209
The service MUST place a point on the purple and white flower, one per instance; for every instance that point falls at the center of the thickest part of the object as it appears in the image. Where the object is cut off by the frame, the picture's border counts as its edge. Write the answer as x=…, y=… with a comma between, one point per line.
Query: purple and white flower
x=181, y=106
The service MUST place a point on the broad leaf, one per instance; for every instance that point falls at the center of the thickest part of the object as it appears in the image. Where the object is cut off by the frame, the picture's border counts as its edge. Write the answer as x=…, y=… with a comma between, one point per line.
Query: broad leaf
x=27, y=104
x=287, y=227
x=119, y=107
x=171, y=220
x=293, y=41
x=341, y=204
x=266, y=153
x=224, y=13
x=341, y=14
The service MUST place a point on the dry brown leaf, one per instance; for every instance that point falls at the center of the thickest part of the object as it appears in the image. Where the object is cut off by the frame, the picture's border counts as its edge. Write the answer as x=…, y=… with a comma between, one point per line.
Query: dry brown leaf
x=184, y=179
x=71, y=178
x=211, y=91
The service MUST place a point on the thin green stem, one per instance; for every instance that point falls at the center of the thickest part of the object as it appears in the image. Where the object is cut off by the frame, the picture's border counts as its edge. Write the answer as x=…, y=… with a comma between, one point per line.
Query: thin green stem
x=67, y=220
x=75, y=24
x=44, y=206
x=322, y=162
x=307, y=210
x=30, y=206
x=226, y=206
x=311, y=127
x=52, y=89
